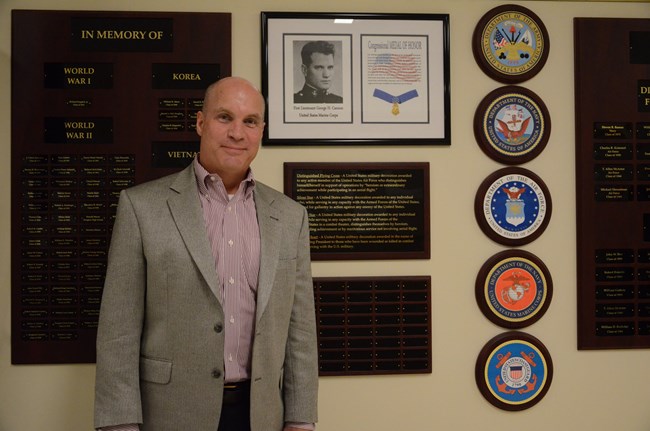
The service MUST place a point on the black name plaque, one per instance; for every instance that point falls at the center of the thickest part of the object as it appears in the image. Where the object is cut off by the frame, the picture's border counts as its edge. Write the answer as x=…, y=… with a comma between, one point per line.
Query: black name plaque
x=122, y=34
x=78, y=75
x=612, y=130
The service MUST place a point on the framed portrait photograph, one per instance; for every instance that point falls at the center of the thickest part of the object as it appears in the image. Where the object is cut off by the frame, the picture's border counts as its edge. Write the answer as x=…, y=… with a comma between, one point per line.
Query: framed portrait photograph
x=331, y=78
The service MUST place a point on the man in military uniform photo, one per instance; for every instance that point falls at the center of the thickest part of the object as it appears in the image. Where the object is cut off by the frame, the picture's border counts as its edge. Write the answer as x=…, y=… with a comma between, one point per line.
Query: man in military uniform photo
x=318, y=69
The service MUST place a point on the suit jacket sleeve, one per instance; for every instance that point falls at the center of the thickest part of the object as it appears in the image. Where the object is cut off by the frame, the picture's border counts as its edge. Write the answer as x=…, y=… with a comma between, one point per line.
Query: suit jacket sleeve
x=301, y=356
x=117, y=389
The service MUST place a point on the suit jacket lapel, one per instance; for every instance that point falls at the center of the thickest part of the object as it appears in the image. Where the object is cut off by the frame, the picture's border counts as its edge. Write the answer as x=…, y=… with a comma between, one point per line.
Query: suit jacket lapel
x=269, y=222
x=185, y=208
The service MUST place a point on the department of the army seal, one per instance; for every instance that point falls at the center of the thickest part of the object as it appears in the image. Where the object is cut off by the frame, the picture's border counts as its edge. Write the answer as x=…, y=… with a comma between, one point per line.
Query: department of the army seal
x=514, y=289
x=512, y=125
x=510, y=44
x=513, y=206
x=514, y=371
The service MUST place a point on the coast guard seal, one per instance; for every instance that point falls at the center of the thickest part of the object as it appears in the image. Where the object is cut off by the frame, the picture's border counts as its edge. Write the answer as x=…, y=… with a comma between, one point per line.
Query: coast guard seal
x=514, y=371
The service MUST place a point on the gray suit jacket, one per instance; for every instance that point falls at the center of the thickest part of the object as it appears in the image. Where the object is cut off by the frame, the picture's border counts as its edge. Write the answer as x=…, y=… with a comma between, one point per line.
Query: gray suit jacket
x=160, y=339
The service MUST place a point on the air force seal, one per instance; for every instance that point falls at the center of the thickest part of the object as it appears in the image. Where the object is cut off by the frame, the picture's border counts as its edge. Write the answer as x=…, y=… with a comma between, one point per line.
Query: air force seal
x=514, y=371
x=513, y=206
x=514, y=289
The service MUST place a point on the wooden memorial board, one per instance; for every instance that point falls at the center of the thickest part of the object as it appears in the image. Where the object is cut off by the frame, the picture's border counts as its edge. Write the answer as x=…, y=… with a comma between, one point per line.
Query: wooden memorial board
x=612, y=94
x=100, y=101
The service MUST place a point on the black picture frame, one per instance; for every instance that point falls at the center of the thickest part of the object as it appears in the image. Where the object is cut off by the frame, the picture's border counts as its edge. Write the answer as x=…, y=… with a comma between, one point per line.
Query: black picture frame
x=389, y=80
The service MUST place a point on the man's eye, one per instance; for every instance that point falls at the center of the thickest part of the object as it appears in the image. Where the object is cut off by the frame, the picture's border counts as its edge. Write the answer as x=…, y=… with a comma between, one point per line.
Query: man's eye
x=251, y=123
x=223, y=118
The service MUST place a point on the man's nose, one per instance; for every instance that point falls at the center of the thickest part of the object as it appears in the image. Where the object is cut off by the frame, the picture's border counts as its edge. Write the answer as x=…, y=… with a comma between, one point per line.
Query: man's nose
x=235, y=131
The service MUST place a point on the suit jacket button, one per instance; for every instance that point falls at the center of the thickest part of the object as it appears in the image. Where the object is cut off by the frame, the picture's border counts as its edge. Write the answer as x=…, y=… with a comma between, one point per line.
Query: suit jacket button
x=216, y=373
x=218, y=328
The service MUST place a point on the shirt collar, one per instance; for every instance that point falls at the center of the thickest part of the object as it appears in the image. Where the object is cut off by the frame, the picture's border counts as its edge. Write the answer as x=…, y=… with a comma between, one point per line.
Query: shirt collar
x=209, y=184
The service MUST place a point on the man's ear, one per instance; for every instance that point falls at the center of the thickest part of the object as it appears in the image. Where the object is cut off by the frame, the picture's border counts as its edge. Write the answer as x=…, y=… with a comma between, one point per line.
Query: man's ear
x=199, y=123
x=303, y=68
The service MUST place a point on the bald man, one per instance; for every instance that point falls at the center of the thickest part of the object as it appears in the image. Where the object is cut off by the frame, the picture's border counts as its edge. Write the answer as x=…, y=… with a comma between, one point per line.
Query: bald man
x=207, y=316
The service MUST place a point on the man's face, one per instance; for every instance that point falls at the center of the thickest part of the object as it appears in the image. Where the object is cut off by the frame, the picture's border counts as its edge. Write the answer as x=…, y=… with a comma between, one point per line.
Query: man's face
x=319, y=73
x=230, y=127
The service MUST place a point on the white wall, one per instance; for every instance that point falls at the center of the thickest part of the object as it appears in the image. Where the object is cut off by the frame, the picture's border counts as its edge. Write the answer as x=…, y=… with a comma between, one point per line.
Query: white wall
x=594, y=390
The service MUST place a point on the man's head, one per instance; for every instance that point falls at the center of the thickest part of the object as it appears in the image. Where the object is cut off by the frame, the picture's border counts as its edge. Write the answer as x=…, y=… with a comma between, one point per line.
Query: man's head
x=230, y=126
x=318, y=64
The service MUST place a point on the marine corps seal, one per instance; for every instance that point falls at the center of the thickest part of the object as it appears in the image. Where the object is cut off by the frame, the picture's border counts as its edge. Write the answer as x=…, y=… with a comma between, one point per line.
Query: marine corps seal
x=514, y=289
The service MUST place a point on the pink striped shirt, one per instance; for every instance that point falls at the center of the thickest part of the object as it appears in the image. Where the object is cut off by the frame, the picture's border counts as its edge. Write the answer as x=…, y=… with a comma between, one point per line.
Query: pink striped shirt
x=231, y=224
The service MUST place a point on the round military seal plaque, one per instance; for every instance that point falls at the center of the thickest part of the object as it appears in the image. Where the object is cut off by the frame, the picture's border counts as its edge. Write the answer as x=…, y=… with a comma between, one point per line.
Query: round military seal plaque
x=512, y=125
x=514, y=371
x=510, y=44
x=514, y=289
x=513, y=206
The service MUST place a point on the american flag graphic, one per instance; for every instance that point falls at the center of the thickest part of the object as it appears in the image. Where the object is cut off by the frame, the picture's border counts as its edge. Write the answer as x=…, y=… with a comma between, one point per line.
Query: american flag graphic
x=402, y=67
x=499, y=40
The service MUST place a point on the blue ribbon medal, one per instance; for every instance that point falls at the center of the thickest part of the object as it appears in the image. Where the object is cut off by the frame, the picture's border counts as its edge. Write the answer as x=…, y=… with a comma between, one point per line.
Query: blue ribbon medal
x=395, y=100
